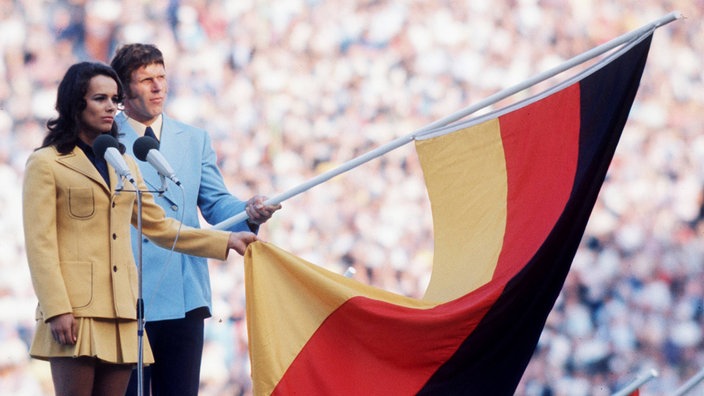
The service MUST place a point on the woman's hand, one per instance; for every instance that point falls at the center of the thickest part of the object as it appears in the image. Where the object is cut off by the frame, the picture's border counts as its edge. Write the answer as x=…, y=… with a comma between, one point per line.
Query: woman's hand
x=240, y=240
x=64, y=329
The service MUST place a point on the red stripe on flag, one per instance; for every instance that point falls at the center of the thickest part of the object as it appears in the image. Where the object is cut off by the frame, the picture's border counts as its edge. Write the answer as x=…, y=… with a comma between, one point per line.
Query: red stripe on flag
x=541, y=144
x=350, y=354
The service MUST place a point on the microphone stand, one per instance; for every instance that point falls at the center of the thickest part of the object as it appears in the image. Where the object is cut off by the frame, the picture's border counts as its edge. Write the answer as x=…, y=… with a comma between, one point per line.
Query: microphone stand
x=140, y=301
x=140, y=294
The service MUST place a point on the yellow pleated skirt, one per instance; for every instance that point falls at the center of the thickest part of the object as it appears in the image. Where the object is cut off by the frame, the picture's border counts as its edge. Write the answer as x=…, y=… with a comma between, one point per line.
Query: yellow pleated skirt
x=110, y=340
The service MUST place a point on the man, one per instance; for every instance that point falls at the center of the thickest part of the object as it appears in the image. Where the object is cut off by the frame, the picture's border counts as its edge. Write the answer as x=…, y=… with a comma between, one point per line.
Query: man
x=176, y=287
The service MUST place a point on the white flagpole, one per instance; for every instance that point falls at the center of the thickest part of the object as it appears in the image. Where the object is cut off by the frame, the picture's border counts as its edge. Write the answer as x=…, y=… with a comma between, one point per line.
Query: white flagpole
x=642, y=379
x=690, y=384
x=381, y=150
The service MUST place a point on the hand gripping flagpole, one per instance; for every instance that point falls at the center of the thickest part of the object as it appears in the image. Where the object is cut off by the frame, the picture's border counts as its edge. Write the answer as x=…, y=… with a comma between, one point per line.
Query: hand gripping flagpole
x=441, y=123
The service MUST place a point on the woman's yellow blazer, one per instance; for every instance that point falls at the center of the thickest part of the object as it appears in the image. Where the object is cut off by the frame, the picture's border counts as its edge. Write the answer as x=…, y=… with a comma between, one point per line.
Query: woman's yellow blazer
x=77, y=236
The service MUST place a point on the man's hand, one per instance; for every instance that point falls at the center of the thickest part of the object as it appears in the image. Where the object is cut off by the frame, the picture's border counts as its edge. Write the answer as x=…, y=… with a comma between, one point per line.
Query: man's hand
x=64, y=329
x=258, y=212
x=240, y=240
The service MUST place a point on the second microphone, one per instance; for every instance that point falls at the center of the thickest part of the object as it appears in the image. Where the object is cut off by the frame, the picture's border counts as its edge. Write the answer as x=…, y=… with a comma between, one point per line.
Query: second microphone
x=146, y=149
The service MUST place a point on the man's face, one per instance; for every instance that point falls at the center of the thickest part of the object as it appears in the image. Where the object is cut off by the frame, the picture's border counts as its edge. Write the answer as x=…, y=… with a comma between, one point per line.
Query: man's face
x=147, y=93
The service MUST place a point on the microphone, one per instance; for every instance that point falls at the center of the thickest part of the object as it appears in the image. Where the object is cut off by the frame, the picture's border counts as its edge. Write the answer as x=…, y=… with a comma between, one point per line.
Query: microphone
x=146, y=148
x=106, y=146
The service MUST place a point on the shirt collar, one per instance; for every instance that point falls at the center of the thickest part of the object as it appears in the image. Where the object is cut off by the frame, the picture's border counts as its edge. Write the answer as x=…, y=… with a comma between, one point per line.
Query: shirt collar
x=139, y=127
x=86, y=149
x=99, y=163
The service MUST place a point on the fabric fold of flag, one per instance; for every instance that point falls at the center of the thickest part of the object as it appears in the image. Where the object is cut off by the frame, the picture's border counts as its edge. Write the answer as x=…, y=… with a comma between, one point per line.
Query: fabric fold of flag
x=510, y=198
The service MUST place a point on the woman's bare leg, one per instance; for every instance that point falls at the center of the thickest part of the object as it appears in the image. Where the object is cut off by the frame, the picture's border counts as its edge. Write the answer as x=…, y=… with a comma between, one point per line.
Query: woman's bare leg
x=84, y=376
x=72, y=376
x=111, y=379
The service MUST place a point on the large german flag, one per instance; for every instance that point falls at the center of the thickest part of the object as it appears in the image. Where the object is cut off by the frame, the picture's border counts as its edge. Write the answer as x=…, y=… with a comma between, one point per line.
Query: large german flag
x=511, y=198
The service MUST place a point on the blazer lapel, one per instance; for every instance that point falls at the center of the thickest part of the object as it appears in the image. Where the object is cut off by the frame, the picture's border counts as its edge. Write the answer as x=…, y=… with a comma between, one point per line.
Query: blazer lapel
x=169, y=148
x=79, y=162
x=170, y=142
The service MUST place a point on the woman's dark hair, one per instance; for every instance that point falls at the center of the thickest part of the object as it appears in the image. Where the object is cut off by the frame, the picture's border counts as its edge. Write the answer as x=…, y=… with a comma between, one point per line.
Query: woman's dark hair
x=70, y=103
x=131, y=57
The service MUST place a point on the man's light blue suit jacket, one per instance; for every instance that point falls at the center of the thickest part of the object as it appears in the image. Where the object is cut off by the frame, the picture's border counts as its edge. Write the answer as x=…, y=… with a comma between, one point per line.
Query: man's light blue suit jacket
x=175, y=283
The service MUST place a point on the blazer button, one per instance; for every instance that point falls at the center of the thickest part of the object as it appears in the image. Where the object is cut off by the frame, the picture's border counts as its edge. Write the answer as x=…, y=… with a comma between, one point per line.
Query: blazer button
x=114, y=268
x=114, y=236
x=145, y=240
x=113, y=204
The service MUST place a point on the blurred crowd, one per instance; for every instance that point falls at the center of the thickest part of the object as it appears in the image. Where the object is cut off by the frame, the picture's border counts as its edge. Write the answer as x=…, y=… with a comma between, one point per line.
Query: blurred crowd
x=289, y=89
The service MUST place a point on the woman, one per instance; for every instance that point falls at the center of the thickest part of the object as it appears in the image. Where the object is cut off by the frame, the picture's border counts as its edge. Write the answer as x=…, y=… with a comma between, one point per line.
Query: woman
x=77, y=235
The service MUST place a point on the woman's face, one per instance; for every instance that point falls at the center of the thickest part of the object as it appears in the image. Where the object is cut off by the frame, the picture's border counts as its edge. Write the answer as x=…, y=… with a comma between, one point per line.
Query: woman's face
x=101, y=106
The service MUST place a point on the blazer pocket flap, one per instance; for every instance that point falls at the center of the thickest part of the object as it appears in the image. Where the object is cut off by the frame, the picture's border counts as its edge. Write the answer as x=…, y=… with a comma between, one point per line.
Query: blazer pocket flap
x=81, y=203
